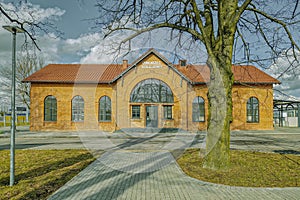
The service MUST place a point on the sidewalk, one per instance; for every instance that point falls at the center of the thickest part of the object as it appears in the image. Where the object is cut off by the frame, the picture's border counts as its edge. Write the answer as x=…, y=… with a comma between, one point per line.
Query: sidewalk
x=143, y=168
x=140, y=166
x=124, y=175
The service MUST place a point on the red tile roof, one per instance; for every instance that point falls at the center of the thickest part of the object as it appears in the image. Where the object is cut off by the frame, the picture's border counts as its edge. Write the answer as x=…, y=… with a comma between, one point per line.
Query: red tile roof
x=251, y=74
x=242, y=74
x=104, y=73
x=108, y=73
x=76, y=73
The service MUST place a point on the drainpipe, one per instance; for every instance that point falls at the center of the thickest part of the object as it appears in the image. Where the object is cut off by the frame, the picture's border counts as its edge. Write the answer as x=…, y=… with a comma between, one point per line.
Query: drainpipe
x=187, y=106
x=298, y=105
x=281, y=116
x=116, y=116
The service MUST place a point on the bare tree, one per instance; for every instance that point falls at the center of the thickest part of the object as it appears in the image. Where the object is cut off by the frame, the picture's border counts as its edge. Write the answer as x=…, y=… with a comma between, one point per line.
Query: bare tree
x=225, y=28
x=27, y=63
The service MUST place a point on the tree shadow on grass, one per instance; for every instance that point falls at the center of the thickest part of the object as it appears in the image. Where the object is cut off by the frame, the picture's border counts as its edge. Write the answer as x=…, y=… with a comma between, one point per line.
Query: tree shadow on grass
x=44, y=169
x=46, y=189
x=287, y=151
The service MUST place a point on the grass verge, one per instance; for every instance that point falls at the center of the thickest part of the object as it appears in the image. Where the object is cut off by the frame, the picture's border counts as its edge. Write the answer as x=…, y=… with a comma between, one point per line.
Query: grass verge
x=38, y=173
x=248, y=169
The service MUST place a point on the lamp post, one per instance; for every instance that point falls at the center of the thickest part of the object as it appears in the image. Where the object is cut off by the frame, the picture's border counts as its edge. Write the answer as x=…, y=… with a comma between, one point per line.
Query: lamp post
x=14, y=30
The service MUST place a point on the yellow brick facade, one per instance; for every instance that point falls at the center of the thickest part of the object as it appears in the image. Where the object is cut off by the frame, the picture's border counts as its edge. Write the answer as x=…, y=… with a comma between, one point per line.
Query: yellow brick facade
x=119, y=92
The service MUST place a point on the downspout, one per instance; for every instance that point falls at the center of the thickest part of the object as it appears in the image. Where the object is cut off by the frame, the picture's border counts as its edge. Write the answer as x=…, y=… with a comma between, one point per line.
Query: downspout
x=116, y=116
x=298, y=105
x=281, y=116
x=187, y=107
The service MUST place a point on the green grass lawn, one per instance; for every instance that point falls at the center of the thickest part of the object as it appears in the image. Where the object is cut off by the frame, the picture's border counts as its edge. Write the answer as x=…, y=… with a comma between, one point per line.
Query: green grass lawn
x=249, y=169
x=40, y=172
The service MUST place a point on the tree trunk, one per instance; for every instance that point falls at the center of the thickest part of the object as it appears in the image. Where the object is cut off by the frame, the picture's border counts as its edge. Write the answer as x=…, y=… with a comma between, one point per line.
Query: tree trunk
x=220, y=114
x=220, y=88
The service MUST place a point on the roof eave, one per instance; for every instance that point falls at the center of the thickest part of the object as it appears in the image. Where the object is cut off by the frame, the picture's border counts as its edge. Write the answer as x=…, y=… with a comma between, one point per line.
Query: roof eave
x=256, y=83
x=70, y=82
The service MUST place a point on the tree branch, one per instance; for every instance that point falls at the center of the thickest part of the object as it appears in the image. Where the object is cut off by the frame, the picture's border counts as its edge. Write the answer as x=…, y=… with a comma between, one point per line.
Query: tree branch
x=282, y=24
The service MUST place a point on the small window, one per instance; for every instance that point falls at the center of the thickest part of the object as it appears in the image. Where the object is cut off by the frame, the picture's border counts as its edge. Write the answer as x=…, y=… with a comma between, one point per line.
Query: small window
x=50, y=109
x=253, y=110
x=77, y=109
x=198, y=109
x=167, y=112
x=105, y=109
x=135, y=112
x=291, y=113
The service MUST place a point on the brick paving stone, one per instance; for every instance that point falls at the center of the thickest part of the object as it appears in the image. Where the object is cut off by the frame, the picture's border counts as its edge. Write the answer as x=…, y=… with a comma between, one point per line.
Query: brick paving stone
x=153, y=175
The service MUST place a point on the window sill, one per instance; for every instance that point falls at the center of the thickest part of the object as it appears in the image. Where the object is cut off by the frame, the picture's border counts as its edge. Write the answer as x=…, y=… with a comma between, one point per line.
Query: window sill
x=105, y=121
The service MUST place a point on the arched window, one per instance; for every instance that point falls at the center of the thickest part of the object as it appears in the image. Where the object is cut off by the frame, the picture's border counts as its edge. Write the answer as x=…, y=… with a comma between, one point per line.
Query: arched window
x=252, y=110
x=50, y=109
x=105, y=109
x=77, y=109
x=198, y=109
x=152, y=91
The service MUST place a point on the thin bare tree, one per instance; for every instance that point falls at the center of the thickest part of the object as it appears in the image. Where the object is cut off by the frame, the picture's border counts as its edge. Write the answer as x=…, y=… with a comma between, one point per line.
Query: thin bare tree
x=225, y=28
x=27, y=63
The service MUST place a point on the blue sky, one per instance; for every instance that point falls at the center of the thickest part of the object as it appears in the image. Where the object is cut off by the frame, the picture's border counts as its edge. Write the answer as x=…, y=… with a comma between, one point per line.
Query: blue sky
x=82, y=42
x=77, y=18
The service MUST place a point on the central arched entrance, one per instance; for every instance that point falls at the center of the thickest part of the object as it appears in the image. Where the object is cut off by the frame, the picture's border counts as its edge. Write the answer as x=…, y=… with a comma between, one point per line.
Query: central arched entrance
x=155, y=98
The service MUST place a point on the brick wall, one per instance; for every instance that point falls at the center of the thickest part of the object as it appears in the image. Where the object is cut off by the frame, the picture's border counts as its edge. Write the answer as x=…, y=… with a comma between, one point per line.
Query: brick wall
x=120, y=92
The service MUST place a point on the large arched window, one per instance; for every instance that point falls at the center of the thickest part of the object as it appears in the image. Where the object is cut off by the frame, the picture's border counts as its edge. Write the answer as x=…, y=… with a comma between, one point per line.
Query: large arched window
x=198, y=109
x=77, y=109
x=105, y=109
x=252, y=110
x=152, y=91
x=50, y=109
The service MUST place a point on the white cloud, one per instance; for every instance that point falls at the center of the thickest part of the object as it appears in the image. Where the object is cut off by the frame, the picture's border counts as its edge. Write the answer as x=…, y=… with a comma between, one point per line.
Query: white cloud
x=24, y=11
x=108, y=51
x=27, y=11
x=287, y=69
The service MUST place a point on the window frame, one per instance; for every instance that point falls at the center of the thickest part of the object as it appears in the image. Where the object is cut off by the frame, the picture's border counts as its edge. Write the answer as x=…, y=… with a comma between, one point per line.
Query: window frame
x=250, y=110
x=168, y=111
x=151, y=91
x=134, y=114
x=52, y=110
x=77, y=105
x=106, y=107
x=198, y=105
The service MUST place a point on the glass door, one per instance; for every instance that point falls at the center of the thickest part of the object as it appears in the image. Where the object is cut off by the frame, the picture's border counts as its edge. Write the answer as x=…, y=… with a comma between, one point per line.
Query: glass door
x=152, y=116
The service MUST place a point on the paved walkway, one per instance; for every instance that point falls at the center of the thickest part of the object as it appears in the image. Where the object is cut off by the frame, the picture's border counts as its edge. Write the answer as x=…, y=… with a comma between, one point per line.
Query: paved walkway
x=153, y=175
x=142, y=167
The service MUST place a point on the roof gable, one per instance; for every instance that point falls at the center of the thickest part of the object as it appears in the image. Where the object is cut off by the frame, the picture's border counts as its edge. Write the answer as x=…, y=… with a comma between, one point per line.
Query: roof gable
x=143, y=57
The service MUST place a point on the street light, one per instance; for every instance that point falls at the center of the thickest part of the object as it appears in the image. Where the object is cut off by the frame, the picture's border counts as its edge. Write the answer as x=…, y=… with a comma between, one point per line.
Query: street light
x=14, y=30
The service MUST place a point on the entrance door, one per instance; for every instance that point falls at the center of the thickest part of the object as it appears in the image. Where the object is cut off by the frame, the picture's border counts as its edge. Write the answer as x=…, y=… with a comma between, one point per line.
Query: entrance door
x=152, y=116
